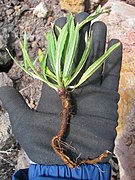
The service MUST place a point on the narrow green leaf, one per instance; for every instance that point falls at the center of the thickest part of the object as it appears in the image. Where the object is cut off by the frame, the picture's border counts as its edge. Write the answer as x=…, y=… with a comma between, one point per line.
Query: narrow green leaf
x=34, y=62
x=51, y=41
x=26, y=56
x=83, y=59
x=58, y=28
x=25, y=44
x=36, y=74
x=17, y=62
x=93, y=16
x=50, y=74
x=95, y=65
x=71, y=51
x=39, y=58
x=46, y=70
x=65, y=50
x=70, y=21
x=43, y=65
x=54, y=86
x=59, y=49
x=98, y=10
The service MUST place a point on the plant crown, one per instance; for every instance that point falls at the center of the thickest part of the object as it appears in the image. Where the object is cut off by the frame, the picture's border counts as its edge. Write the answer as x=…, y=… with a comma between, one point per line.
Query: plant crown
x=61, y=53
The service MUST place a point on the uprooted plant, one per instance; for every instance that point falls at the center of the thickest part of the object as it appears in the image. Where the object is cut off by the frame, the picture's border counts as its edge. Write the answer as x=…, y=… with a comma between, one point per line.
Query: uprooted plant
x=60, y=75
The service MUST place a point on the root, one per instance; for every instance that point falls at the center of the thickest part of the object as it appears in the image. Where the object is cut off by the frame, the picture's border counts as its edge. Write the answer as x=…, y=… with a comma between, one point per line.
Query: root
x=60, y=146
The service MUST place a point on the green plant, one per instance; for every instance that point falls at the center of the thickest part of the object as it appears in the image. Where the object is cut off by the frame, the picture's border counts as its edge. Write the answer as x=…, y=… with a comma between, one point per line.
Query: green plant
x=61, y=74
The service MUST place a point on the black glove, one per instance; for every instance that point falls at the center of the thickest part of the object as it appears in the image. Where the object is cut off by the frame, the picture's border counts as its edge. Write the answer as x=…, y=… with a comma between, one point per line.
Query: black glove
x=92, y=129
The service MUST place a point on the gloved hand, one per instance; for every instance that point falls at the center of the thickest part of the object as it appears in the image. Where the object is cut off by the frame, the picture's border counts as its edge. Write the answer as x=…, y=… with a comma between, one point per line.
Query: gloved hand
x=92, y=129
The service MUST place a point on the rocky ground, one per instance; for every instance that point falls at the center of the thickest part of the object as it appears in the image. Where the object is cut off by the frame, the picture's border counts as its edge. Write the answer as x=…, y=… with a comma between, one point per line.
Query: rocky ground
x=121, y=25
x=19, y=16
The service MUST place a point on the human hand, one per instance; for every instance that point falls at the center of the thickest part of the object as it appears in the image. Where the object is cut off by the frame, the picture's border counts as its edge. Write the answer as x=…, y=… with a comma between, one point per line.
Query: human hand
x=92, y=129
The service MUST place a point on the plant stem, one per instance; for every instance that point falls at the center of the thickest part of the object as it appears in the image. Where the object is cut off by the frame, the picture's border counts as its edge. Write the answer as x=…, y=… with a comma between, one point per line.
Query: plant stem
x=58, y=142
x=65, y=114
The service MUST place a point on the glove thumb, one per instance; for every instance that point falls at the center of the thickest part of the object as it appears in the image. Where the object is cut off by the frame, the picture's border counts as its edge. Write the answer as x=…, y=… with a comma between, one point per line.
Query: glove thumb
x=13, y=102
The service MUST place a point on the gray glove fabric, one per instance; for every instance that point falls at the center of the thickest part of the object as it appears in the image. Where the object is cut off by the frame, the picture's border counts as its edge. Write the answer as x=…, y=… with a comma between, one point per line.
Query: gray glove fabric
x=92, y=129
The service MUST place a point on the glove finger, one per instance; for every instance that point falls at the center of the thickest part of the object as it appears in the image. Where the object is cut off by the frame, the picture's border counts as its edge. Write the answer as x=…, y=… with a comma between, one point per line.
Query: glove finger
x=60, y=22
x=13, y=102
x=98, y=47
x=111, y=74
x=81, y=44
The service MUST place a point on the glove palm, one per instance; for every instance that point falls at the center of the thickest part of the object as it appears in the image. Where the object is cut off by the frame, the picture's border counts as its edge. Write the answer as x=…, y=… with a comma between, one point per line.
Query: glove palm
x=92, y=129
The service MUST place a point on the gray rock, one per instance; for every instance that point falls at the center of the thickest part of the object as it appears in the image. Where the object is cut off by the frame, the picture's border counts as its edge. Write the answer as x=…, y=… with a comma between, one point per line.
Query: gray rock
x=5, y=80
x=33, y=1
x=5, y=61
x=15, y=2
x=9, y=11
x=1, y=18
x=1, y=24
x=6, y=1
x=21, y=10
x=10, y=19
x=0, y=12
x=5, y=127
x=41, y=10
x=23, y=161
x=1, y=42
x=7, y=40
x=31, y=38
x=4, y=30
x=25, y=7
